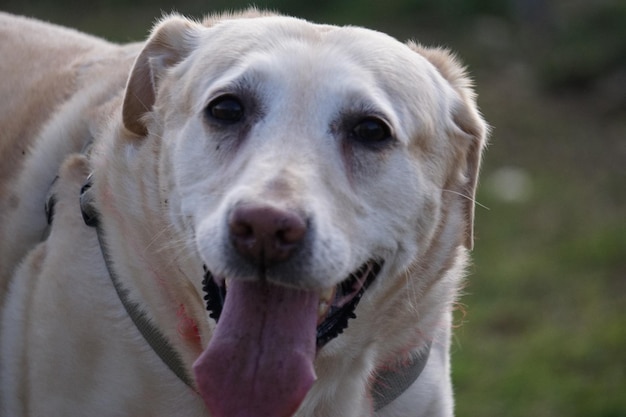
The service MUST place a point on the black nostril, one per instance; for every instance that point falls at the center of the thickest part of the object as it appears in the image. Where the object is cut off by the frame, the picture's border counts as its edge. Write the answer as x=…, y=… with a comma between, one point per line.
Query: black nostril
x=265, y=234
x=240, y=229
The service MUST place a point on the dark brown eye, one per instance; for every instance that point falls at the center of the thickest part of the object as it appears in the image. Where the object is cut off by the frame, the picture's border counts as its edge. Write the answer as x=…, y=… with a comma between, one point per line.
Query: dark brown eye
x=371, y=131
x=227, y=109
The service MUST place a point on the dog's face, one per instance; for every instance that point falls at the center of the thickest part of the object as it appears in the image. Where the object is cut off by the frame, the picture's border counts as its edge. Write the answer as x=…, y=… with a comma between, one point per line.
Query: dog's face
x=304, y=162
x=301, y=133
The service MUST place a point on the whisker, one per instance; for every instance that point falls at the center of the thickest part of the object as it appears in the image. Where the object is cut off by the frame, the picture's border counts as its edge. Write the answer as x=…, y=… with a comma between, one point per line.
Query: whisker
x=468, y=198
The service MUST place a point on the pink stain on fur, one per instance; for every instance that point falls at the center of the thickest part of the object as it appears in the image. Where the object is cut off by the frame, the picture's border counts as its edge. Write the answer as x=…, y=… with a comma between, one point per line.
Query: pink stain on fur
x=188, y=328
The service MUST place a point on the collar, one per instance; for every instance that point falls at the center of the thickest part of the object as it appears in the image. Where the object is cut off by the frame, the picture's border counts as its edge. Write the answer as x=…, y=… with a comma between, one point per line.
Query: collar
x=387, y=386
x=390, y=384
x=157, y=340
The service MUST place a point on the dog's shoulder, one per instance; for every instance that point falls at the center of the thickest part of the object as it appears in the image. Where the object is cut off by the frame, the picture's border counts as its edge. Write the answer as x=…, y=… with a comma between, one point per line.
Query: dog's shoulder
x=54, y=82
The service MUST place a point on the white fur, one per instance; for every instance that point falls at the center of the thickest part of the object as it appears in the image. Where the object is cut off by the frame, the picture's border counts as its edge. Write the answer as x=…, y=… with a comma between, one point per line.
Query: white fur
x=165, y=180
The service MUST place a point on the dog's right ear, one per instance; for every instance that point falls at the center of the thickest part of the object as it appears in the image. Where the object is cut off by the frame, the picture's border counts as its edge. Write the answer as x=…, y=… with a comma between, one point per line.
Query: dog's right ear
x=171, y=41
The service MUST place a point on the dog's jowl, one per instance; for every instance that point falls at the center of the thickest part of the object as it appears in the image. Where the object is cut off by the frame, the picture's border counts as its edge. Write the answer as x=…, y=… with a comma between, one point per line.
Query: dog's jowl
x=248, y=216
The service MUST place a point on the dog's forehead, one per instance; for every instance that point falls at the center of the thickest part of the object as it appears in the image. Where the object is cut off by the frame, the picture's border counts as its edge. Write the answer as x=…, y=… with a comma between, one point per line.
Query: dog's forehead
x=292, y=43
x=270, y=31
x=335, y=63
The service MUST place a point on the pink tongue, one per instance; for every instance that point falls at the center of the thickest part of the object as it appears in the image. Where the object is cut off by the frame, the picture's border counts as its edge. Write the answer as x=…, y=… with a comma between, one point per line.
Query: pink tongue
x=259, y=362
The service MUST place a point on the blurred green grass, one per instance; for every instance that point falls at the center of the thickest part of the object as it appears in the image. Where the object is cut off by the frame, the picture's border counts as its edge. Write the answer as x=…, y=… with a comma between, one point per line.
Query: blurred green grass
x=543, y=327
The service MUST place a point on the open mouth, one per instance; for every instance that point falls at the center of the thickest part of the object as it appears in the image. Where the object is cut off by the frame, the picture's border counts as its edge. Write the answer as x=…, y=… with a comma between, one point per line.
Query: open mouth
x=336, y=306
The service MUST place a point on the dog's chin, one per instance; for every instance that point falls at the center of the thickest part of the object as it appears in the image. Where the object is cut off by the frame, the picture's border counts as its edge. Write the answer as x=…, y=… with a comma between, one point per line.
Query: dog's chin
x=337, y=304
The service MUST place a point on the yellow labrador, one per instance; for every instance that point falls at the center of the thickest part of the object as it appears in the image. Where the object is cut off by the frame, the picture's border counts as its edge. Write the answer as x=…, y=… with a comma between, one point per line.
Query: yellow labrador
x=249, y=216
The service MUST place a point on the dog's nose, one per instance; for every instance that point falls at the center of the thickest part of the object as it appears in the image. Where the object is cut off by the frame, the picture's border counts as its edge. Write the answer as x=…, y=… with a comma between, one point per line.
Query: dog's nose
x=264, y=234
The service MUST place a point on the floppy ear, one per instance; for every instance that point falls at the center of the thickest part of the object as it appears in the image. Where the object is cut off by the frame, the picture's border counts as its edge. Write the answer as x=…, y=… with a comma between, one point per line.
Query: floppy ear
x=469, y=127
x=476, y=129
x=171, y=41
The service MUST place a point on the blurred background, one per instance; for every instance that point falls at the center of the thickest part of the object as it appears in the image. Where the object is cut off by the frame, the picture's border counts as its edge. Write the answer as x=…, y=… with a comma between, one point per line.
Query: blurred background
x=541, y=329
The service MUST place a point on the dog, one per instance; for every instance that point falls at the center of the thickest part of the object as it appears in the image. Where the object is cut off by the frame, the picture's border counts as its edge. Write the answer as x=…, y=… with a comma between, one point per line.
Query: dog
x=249, y=215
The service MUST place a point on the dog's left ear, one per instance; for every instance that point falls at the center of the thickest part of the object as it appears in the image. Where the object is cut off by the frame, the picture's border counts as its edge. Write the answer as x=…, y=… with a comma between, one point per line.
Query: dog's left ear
x=171, y=41
x=469, y=127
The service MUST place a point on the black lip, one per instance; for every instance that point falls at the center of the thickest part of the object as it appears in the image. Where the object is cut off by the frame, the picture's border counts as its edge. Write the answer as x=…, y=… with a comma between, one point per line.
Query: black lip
x=337, y=318
x=215, y=295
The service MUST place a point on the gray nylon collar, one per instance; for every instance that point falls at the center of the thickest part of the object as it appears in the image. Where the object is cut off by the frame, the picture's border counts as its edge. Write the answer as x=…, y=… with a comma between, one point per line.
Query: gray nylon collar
x=157, y=340
x=388, y=385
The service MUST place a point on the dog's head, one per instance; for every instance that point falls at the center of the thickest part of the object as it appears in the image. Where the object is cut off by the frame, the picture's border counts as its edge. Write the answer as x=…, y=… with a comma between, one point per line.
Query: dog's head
x=305, y=163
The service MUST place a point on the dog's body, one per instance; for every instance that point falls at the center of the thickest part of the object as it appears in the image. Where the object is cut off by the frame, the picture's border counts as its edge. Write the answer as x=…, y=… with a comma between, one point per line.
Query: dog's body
x=282, y=156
